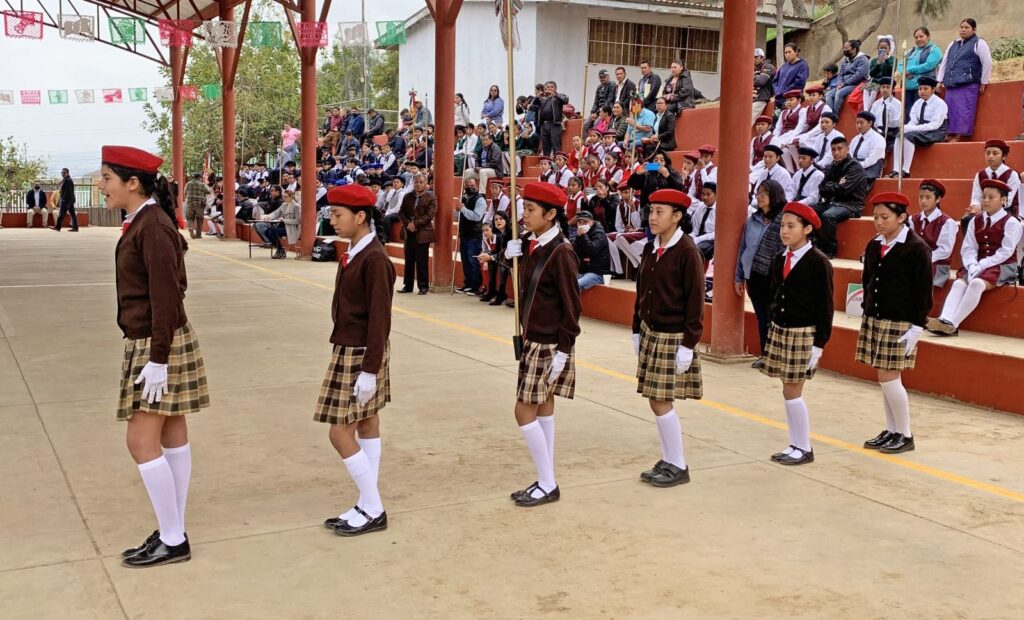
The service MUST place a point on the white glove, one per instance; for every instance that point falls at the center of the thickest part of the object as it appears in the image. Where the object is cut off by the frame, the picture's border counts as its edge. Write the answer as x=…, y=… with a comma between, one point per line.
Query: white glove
x=910, y=338
x=684, y=357
x=636, y=344
x=365, y=388
x=155, y=386
x=815, y=356
x=557, y=365
x=514, y=249
x=973, y=271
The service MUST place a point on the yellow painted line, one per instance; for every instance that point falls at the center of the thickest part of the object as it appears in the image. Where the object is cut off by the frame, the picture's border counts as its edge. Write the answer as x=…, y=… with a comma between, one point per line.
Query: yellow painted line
x=729, y=409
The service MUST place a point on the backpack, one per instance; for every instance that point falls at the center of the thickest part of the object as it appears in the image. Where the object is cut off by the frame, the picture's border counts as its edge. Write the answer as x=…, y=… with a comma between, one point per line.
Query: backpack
x=324, y=252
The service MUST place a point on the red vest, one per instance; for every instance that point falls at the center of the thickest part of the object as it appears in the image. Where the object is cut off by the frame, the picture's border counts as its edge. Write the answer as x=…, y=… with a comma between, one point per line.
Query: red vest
x=930, y=232
x=790, y=119
x=700, y=179
x=1005, y=178
x=990, y=239
x=814, y=114
x=758, y=144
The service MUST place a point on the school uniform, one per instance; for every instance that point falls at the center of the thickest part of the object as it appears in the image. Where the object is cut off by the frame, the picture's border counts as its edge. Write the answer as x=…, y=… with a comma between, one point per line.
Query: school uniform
x=549, y=316
x=625, y=215
x=897, y=295
x=990, y=242
x=757, y=146
x=791, y=125
x=777, y=173
x=926, y=125
x=703, y=218
x=805, y=184
x=669, y=313
x=707, y=174
x=361, y=310
x=562, y=176
x=887, y=113
x=869, y=149
x=822, y=143
x=801, y=312
x=1005, y=174
x=151, y=283
x=938, y=230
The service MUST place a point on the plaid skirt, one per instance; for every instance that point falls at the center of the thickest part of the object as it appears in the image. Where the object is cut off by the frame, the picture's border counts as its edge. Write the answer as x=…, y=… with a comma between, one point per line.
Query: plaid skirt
x=656, y=368
x=787, y=352
x=336, y=403
x=534, y=365
x=186, y=377
x=877, y=346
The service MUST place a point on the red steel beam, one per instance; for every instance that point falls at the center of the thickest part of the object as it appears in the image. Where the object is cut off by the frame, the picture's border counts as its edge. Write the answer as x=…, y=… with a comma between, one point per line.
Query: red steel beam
x=177, y=143
x=445, y=13
x=227, y=102
x=309, y=132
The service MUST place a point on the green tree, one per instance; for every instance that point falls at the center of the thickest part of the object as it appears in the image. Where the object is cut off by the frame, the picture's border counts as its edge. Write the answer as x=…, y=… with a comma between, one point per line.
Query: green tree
x=340, y=78
x=17, y=169
x=932, y=9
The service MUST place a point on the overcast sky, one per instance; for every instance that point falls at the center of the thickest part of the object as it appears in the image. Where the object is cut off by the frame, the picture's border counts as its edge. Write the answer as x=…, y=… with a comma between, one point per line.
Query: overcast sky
x=71, y=135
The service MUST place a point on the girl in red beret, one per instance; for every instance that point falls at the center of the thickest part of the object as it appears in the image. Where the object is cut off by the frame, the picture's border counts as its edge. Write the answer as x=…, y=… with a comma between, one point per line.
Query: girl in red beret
x=358, y=384
x=996, y=152
x=897, y=281
x=668, y=320
x=162, y=376
x=549, y=312
x=801, y=323
x=989, y=257
x=935, y=228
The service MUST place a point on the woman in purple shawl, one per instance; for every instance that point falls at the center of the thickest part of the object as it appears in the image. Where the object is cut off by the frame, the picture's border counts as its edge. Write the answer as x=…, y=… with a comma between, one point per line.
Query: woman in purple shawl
x=964, y=72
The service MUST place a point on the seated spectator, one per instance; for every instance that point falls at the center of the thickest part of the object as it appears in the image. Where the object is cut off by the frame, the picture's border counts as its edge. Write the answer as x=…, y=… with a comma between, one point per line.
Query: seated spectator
x=422, y=116
x=868, y=147
x=816, y=106
x=608, y=146
x=393, y=204
x=471, y=216
x=774, y=171
x=881, y=66
x=498, y=202
x=611, y=172
x=626, y=224
x=375, y=126
x=829, y=79
x=664, y=127
x=590, y=172
x=348, y=142
x=591, y=246
x=488, y=166
x=936, y=228
x=602, y=204
x=37, y=204
x=927, y=125
x=397, y=142
x=807, y=179
x=590, y=145
x=707, y=171
x=995, y=168
x=702, y=219
x=460, y=150
x=689, y=173
x=618, y=125
x=822, y=140
x=965, y=72
x=562, y=172
x=989, y=255
x=853, y=71
x=764, y=77
x=763, y=137
x=604, y=95
x=887, y=111
x=387, y=160
x=331, y=141
x=604, y=119
x=494, y=106
x=285, y=220
x=495, y=237
x=575, y=200
x=791, y=125
x=842, y=193
x=575, y=156
x=679, y=92
x=640, y=125
x=527, y=144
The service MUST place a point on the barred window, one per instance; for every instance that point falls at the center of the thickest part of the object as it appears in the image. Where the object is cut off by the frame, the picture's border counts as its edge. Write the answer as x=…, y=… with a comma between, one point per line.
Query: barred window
x=624, y=43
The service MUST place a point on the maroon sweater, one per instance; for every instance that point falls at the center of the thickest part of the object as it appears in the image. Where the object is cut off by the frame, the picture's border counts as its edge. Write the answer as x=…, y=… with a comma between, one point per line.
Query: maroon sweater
x=362, y=304
x=670, y=291
x=554, y=315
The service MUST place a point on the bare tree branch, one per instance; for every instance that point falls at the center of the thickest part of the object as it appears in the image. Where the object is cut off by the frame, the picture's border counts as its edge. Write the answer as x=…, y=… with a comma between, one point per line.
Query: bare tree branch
x=837, y=7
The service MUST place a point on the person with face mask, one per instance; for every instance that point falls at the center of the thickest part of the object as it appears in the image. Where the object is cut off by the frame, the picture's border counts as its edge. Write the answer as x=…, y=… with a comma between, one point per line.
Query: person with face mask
x=471, y=215
x=853, y=70
x=35, y=201
x=592, y=250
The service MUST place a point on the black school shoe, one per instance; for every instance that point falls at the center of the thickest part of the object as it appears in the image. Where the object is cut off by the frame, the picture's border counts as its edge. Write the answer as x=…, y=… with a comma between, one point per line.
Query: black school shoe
x=758, y=363
x=159, y=553
x=878, y=440
x=670, y=475
x=333, y=522
x=373, y=524
x=898, y=443
x=405, y=289
x=793, y=459
x=778, y=455
x=146, y=543
x=526, y=499
x=650, y=473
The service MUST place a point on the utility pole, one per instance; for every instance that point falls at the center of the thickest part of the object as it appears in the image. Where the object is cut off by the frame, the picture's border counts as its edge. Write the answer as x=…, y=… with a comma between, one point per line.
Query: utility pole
x=362, y=18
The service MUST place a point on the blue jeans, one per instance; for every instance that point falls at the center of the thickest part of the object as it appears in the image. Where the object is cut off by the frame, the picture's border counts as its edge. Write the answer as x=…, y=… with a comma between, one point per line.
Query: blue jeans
x=832, y=215
x=469, y=249
x=839, y=97
x=589, y=280
x=271, y=232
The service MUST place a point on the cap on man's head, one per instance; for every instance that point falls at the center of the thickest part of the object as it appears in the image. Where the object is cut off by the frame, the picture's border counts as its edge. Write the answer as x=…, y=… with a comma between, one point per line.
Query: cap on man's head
x=758, y=52
x=602, y=73
x=585, y=215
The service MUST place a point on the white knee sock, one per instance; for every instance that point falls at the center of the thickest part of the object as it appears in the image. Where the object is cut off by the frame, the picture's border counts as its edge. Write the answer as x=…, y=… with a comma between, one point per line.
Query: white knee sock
x=537, y=444
x=180, y=461
x=371, y=446
x=671, y=432
x=890, y=419
x=799, y=423
x=896, y=396
x=791, y=425
x=956, y=293
x=547, y=424
x=972, y=296
x=362, y=473
x=159, y=481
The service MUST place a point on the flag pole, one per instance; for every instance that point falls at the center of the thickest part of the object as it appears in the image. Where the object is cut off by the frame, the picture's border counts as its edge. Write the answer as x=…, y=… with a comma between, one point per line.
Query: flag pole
x=584, y=109
x=517, y=334
x=903, y=84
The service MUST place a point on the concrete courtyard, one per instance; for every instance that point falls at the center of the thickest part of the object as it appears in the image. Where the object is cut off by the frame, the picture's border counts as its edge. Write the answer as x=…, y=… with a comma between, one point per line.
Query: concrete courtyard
x=936, y=533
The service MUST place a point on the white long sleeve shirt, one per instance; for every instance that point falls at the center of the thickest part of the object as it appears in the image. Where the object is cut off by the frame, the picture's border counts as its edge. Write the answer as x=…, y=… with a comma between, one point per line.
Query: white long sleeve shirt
x=887, y=113
x=778, y=174
x=947, y=236
x=934, y=115
x=1013, y=181
x=809, y=194
x=787, y=137
x=984, y=53
x=697, y=217
x=868, y=148
x=1011, y=237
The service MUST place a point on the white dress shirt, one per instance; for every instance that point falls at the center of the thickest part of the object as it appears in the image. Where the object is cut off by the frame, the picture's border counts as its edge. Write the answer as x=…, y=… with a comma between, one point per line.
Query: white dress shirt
x=935, y=114
x=778, y=174
x=783, y=138
x=1013, y=182
x=1011, y=237
x=697, y=216
x=947, y=236
x=868, y=148
x=887, y=113
x=823, y=144
x=548, y=236
x=809, y=195
x=797, y=254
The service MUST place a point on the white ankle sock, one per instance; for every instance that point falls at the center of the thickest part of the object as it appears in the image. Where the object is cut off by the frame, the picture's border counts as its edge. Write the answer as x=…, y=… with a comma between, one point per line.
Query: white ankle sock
x=372, y=447
x=159, y=481
x=671, y=432
x=547, y=424
x=896, y=395
x=537, y=444
x=361, y=470
x=799, y=423
x=180, y=461
x=972, y=296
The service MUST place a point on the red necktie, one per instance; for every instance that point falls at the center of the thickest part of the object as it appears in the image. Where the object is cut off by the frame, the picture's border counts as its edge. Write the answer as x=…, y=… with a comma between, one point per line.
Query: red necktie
x=124, y=226
x=660, y=251
x=533, y=245
x=344, y=260
x=885, y=249
x=788, y=266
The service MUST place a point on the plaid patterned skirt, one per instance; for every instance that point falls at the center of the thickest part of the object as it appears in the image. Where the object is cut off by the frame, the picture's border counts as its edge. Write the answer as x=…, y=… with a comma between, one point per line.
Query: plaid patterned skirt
x=877, y=346
x=656, y=368
x=787, y=352
x=336, y=404
x=534, y=365
x=186, y=377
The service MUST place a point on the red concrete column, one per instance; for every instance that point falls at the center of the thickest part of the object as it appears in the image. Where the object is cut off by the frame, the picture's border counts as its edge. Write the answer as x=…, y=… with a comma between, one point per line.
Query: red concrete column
x=737, y=71
x=308, y=127
x=227, y=14
x=177, y=142
x=444, y=139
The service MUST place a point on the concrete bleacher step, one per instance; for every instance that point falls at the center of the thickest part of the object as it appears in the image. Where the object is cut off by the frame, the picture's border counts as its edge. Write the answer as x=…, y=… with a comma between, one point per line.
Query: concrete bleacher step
x=958, y=191
x=959, y=160
x=19, y=219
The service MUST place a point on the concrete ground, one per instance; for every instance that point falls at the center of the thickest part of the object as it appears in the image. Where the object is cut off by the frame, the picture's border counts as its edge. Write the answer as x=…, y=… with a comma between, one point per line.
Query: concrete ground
x=937, y=533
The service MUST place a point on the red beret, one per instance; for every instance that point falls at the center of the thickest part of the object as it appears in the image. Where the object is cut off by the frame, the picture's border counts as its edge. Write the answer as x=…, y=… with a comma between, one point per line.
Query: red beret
x=610, y=132
x=893, y=198
x=936, y=184
x=545, y=158
x=1003, y=187
x=763, y=119
x=562, y=155
x=708, y=148
x=809, y=215
x=131, y=158
x=547, y=194
x=815, y=89
x=691, y=155
x=595, y=131
x=353, y=196
x=999, y=144
x=671, y=197
x=796, y=92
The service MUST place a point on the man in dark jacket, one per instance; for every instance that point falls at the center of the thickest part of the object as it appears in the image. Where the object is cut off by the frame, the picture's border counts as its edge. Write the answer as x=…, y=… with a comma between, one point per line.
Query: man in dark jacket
x=417, y=215
x=764, y=72
x=471, y=217
x=35, y=201
x=624, y=87
x=376, y=127
x=66, y=191
x=548, y=108
x=356, y=124
x=591, y=247
x=649, y=86
x=842, y=191
x=603, y=96
x=664, y=137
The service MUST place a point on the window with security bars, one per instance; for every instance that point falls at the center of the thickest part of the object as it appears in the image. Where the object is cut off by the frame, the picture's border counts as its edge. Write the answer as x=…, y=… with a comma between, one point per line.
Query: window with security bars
x=623, y=43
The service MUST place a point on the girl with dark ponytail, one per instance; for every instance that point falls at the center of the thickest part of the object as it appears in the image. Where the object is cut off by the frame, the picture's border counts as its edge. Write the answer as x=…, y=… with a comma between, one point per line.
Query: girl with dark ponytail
x=162, y=375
